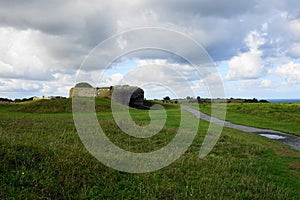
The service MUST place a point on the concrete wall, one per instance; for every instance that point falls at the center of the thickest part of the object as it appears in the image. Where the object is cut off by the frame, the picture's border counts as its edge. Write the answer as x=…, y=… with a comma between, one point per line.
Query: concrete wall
x=104, y=92
x=82, y=92
x=123, y=94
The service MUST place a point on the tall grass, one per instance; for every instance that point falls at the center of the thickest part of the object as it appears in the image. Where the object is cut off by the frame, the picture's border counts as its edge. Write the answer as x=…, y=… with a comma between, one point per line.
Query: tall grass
x=42, y=157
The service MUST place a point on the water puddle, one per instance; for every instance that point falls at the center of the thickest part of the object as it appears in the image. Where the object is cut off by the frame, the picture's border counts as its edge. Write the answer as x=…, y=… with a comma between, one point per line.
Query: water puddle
x=285, y=138
x=273, y=136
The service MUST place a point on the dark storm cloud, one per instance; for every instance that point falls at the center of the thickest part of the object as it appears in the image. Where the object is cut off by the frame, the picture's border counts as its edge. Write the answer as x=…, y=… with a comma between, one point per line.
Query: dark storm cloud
x=215, y=8
x=81, y=21
x=89, y=23
x=46, y=16
x=221, y=26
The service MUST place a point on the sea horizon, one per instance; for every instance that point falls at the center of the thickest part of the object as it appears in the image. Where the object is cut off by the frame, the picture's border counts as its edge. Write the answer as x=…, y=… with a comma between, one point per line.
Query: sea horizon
x=284, y=100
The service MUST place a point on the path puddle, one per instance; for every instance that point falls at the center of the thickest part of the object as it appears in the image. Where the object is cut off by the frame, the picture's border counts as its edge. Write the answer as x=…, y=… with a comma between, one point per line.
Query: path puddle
x=289, y=139
x=273, y=136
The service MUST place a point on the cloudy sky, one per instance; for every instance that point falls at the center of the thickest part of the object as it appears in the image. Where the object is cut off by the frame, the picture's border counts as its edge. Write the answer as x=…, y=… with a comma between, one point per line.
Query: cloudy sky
x=255, y=45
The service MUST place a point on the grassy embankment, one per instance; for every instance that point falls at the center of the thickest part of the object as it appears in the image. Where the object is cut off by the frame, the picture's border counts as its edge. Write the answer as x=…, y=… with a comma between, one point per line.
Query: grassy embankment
x=283, y=117
x=43, y=157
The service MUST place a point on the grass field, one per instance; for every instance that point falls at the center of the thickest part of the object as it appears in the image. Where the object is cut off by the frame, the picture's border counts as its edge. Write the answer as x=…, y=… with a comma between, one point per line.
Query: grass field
x=283, y=117
x=42, y=157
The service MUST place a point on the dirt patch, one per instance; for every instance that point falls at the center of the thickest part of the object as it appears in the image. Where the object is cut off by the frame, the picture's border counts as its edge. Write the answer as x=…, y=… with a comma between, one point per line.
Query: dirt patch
x=2, y=103
x=295, y=165
x=288, y=154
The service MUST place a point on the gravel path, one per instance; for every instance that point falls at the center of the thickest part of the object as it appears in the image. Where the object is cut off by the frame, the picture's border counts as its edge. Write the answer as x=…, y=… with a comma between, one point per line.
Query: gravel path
x=291, y=140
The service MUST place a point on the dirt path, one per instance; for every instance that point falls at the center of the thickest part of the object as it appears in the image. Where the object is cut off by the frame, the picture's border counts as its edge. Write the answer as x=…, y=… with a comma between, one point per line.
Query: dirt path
x=291, y=140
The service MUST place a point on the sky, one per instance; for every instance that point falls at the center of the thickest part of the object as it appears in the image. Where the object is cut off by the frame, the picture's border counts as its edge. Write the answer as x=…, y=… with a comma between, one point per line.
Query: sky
x=255, y=46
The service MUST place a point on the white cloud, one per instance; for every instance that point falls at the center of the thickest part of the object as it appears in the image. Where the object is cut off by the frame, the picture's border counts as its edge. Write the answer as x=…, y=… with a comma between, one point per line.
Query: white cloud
x=266, y=83
x=245, y=66
x=5, y=68
x=161, y=70
x=116, y=78
x=109, y=80
x=250, y=64
x=157, y=77
x=46, y=89
x=294, y=26
x=16, y=85
x=294, y=50
x=254, y=40
x=27, y=54
x=19, y=88
x=21, y=53
x=289, y=71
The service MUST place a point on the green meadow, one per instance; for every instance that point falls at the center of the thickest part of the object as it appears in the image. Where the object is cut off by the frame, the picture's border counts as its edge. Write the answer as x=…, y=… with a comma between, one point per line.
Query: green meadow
x=283, y=117
x=42, y=156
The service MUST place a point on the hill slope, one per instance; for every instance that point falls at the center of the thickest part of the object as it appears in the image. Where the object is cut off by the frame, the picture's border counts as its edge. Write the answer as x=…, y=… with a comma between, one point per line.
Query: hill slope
x=58, y=106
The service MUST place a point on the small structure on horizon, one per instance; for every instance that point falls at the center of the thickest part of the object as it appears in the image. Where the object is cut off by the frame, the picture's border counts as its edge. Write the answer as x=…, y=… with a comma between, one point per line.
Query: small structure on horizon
x=124, y=94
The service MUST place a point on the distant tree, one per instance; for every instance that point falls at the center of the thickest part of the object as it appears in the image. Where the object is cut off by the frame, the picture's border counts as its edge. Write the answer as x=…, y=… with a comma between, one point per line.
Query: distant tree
x=198, y=99
x=58, y=97
x=263, y=101
x=188, y=97
x=24, y=99
x=6, y=100
x=167, y=98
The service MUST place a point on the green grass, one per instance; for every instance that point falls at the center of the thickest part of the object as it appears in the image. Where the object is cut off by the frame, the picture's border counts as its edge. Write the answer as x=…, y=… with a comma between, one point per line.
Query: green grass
x=277, y=116
x=41, y=156
x=165, y=105
x=58, y=106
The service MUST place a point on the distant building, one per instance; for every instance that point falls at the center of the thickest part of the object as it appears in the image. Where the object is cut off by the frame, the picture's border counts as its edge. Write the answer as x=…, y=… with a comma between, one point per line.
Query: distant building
x=35, y=98
x=82, y=90
x=125, y=94
x=40, y=98
x=104, y=91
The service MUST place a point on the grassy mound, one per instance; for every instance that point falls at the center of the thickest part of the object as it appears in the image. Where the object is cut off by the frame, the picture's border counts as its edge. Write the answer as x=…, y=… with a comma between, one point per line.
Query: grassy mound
x=58, y=106
x=65, y=106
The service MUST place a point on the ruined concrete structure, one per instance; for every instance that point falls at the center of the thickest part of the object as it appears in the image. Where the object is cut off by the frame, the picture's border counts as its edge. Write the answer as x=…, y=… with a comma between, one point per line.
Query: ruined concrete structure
x=82, y=90
x=128, y=95
x=125, y=94
x=104, y=91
